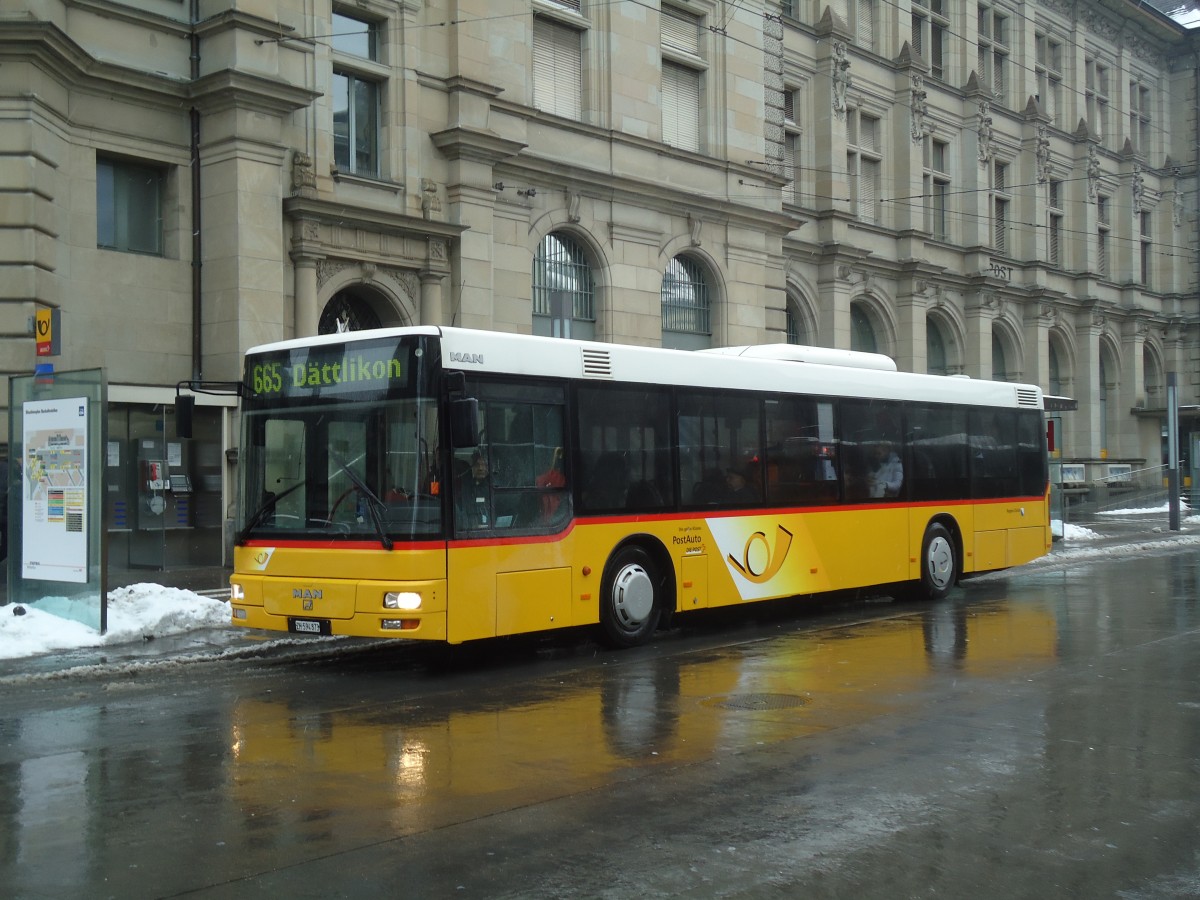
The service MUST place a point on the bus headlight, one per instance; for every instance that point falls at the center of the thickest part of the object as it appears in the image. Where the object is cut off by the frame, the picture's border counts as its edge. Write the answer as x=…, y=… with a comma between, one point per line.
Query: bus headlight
x=401, y=600
x=236, y=592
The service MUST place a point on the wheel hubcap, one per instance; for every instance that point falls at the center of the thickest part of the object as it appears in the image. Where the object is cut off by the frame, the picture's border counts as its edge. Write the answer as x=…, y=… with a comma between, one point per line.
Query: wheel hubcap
x=633, y=596
x=940, y=561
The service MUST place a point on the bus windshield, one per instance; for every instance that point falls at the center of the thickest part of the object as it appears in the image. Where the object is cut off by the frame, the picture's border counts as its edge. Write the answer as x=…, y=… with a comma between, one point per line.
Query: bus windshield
x=340, y=461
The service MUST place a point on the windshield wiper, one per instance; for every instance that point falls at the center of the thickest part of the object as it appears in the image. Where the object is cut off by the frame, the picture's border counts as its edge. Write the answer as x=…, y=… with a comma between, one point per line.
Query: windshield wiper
x=267, y=507
x=374, y=504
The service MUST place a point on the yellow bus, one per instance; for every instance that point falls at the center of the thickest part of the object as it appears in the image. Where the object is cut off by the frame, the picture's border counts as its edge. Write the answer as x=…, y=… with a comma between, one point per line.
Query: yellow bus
x=453, y=485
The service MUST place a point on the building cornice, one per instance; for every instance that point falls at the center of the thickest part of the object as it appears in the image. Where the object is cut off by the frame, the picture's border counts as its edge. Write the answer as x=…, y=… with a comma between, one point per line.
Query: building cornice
x=332, y=212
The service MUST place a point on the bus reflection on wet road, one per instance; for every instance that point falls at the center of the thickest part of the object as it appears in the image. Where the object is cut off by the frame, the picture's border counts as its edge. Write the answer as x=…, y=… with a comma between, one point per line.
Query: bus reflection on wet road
x=1035, y=732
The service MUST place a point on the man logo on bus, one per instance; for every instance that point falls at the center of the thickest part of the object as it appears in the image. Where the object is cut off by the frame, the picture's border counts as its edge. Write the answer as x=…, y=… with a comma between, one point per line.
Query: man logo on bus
x=759, y=563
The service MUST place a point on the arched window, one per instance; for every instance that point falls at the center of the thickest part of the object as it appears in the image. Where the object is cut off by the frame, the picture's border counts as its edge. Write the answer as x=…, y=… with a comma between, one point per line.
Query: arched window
x=1103, y=408
x=935, y=350
x=686, y=308
x=1152, y=380
x=999, y=363
x=1056, y=382
x=347, y=312
x=796, y=332
x=862, y=331
x=564, y=291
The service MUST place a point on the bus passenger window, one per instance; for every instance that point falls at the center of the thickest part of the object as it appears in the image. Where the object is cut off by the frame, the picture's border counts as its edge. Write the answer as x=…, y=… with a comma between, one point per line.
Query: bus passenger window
x=872, y=450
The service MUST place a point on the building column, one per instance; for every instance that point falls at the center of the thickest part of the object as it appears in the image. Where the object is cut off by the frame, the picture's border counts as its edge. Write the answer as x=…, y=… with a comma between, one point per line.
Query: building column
x=1039, y=318
x=1132, y=391
x=431, y=298
x=982, y=309
x=1086, y=425
x=308, y=316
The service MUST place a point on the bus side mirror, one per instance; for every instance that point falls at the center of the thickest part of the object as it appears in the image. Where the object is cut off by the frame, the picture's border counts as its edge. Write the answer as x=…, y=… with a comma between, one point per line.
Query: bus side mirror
x=184, y=406
x=464, y=422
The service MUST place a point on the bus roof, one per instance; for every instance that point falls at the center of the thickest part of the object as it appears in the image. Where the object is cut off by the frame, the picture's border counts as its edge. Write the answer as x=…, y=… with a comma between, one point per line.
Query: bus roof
x=766, y=367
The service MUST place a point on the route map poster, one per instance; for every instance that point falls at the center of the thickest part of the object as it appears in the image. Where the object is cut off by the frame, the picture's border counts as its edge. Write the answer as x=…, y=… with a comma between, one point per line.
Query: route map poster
x=54, y=490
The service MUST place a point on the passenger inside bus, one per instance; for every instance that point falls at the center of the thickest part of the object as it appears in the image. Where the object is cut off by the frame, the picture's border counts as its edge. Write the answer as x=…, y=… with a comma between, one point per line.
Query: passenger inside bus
x=887, y=473
x=552, y=482
x=474, y=495
x=739, y=486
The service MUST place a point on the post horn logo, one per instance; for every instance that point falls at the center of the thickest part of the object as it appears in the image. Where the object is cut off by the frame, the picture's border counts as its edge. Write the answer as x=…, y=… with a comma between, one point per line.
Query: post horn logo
x=760, y=563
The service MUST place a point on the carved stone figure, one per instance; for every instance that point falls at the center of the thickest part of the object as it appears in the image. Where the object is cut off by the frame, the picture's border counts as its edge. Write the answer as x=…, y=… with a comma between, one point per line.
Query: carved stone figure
x=985, y=131
x=841, y=79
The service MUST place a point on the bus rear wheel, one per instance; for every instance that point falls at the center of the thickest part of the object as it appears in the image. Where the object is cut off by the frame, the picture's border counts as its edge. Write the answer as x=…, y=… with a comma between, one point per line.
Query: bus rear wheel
x=939, y=563
x=629, y=598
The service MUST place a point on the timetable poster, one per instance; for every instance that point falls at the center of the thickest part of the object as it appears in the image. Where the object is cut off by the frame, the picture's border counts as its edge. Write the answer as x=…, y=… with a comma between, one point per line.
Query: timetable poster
x=54, y=490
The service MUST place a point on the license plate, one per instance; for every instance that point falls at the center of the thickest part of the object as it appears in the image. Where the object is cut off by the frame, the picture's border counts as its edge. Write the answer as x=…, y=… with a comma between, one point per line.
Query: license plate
x=309, y=626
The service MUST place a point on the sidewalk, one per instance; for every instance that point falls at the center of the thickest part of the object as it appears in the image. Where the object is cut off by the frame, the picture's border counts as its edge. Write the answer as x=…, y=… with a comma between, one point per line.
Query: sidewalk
x=211, y=644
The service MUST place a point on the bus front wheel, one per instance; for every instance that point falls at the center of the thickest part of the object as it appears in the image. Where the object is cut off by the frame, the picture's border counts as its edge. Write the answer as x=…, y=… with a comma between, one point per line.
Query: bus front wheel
x=939, y=562
x=629, y=598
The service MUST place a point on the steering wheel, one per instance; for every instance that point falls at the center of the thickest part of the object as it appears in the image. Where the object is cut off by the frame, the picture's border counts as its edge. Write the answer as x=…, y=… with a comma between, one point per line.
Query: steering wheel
x=338, y=502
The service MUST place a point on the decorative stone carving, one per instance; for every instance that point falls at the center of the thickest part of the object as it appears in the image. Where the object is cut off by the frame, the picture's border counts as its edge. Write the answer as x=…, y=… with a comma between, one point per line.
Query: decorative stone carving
x=841, y=79
x=408, y=281
x=573, y=200
x=920, y=107
x=304, y=175
x=437, y=250
x=694, y=225
x=1177, y=206
x=430, y=203
x=327, y=268
x=1137, y=185
x=1042, y=153
x=1093, y=172
x=985, y=131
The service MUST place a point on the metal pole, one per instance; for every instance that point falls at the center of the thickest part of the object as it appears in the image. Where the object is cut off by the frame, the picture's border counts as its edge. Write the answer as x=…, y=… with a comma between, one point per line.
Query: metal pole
x=1173, y=449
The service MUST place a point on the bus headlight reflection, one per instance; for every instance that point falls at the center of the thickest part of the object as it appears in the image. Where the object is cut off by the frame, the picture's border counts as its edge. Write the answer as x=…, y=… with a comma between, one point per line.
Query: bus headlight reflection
x=401, y=600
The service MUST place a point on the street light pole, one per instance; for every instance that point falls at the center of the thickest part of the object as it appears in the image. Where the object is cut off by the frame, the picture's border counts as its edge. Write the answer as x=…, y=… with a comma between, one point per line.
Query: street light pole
x=1173, y=450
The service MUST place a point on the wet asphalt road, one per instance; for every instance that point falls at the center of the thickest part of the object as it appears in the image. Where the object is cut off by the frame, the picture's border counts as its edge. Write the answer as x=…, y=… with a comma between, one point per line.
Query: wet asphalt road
x=1037, y=735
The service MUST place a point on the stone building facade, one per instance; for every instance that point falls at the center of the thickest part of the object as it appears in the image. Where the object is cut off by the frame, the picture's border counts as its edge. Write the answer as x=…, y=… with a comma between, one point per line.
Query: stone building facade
x=989, y=188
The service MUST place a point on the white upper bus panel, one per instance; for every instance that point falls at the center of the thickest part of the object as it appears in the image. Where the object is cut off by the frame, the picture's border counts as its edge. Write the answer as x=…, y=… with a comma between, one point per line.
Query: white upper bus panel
x=764, y=368
x=824, y=356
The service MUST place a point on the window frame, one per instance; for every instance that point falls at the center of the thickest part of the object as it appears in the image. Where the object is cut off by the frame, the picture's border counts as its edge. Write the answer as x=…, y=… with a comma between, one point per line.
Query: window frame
x=559, y=77
x=682, y=82
x=936, y=185
x=993, y=49
x=930, y=26
x=859, y=152
x=109, y=193
x=676, y=314
x=361, y=75
x=573, y=262
x=1054, y=223
x=1097, y=101
x=1103, y=229
x=1000, y=201
x=1048, y=72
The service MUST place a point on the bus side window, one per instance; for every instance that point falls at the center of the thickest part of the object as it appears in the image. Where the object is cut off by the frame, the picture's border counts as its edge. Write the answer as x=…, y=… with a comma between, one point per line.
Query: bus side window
x=872, y=450
x=608, y=483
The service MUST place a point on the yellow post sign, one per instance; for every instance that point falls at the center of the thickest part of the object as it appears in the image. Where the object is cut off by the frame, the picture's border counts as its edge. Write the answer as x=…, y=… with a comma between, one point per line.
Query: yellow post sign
x=46, y=331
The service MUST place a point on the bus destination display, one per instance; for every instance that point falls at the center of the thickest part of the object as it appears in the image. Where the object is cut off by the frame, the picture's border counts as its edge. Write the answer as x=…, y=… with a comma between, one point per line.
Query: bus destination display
x=335, y=370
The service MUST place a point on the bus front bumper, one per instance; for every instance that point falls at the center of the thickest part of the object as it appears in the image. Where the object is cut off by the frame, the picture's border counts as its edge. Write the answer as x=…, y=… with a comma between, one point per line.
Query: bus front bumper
x=412, y=610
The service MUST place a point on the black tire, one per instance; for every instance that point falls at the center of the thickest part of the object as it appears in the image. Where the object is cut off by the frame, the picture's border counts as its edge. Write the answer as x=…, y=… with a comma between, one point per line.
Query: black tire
x=630, y=598
x=939, y=563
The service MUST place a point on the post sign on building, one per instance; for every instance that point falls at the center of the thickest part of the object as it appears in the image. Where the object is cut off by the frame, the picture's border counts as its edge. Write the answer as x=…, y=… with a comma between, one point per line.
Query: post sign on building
x=47, y=331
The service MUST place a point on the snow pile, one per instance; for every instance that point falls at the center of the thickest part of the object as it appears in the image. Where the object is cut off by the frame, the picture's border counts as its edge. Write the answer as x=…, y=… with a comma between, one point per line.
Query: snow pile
x=137, y=612
x=1078, y=533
